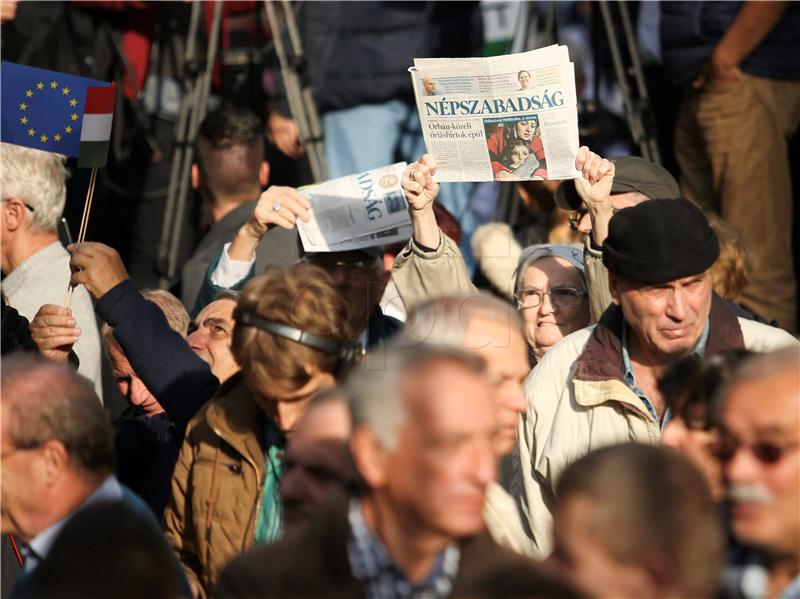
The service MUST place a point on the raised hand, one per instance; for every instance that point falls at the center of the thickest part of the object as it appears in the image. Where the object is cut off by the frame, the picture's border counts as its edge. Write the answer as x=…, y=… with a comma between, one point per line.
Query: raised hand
x=54, y=331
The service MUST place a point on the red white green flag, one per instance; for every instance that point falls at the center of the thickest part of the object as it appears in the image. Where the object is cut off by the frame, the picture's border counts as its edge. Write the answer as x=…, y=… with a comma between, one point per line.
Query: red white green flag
x=98, y=115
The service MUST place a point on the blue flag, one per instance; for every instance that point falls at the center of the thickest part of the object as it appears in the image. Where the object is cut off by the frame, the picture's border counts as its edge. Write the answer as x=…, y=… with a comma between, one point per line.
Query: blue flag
x=43, y=109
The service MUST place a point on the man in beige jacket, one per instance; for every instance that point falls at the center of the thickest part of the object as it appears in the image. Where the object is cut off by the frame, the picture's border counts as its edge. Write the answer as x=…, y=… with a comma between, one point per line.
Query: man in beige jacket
x=599, y=385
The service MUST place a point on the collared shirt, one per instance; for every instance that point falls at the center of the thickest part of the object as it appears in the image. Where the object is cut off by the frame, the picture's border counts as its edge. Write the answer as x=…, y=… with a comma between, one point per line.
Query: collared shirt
x=630, y=380
x=269, y=526
x=372, y=565
x=747, y=578
x=39, y=547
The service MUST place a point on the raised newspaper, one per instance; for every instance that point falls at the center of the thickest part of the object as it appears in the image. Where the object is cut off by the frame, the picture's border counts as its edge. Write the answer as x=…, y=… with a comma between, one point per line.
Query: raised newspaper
x=355, y=212
x=504, y=118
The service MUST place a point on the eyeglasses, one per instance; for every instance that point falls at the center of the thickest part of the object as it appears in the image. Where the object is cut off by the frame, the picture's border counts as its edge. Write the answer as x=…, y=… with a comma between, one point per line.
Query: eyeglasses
x=576, y=216
x=765, y=452
x=563, y=297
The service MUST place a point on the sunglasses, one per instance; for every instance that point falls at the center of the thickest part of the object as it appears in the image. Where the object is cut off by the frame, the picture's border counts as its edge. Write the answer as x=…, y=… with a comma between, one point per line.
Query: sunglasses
x=765, y=452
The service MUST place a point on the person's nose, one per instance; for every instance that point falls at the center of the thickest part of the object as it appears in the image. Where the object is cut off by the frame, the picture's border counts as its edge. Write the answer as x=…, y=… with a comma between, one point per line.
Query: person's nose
x=485, y=463
x=677, y=308
x=195, y=340
x=742, y=467
x=515, y=399
x=139, y=393
x=547, y=306
x=585, y=224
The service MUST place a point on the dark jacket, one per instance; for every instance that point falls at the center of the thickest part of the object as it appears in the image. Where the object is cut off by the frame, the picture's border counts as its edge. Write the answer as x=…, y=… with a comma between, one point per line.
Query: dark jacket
x=314, y=563
x=360, y=52
x=690, y=31
x=279, y=246
x=147, y=447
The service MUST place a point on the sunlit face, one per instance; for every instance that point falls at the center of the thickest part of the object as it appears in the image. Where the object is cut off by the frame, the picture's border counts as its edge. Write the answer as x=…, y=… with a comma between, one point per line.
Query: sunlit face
x=525, y=130
x=317, y=461
x=519, y=154
x=444, y=457
x=550, y=322
x=130, y=385
x=695, y=444
x=766, y=494
x=587, y=560
x=524, y=79
x=502, y=347
x=212, y=336
x=666, y=319
x=284, y=403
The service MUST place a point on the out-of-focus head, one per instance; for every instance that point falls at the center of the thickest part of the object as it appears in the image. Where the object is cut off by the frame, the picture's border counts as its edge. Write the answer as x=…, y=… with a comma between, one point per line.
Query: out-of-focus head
x=490, y=328
x=129, y=383
x=108, y=549
x=35, y=180
x=658, y=254
x=360, y=279
x=637, y=521
x=551, y=293
x=688, y=387
x=759, y=449
x=317, y=463
x=55, y=437
x=423, y=439
x=284, y=373
x=730, y=273
x=211, y=335
x=229, y=156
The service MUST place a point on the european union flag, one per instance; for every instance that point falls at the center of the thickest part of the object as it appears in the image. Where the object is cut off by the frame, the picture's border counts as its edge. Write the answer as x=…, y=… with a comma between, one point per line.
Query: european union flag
x=43, y=109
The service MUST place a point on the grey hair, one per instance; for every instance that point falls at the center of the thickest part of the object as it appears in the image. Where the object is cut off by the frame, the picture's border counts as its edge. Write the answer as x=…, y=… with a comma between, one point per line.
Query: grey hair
x=444, y=321
x=532, y=253
x=228, y=294
x=174, y=311
x=37, y=179
x=374, y=394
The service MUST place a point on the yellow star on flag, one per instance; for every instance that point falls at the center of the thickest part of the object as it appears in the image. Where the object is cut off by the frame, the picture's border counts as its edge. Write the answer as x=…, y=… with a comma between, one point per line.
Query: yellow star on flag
x=29, y=93
x=73, y=102
x=43, y=138
x=73, y=116
x=68, y=129
x=53, y=85
x=24, y=120
x=57, y=137
x=40, y=86
x=31, y=132
x=23, y=106
x=65, y=91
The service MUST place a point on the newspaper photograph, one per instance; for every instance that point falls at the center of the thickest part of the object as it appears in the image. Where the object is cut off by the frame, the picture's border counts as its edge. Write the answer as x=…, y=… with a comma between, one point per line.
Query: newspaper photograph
x=505, y=118
x=355, y=212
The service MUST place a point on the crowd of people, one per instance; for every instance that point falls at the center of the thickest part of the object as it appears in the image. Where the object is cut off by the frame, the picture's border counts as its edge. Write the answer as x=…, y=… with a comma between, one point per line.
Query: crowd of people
x=609, y=418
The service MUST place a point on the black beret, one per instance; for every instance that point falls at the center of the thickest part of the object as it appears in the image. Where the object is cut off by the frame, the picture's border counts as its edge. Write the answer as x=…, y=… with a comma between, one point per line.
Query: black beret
x=658, y=241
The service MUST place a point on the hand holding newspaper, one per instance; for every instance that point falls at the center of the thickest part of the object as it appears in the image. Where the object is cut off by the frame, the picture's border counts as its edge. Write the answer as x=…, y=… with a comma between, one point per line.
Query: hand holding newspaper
x=504, y=118
x=356, y=212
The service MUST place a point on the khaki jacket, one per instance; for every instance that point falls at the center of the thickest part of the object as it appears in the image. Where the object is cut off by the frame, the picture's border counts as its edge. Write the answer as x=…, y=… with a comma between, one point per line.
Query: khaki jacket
x=217, y=485
x=503, y=521
x=578, y=402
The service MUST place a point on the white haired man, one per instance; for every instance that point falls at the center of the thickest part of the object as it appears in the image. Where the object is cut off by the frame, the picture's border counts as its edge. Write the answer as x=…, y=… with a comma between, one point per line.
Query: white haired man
x=34, y=263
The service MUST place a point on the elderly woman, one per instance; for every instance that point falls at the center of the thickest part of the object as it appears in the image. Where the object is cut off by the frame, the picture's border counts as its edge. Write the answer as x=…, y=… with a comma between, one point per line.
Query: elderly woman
x=291, y=339
x=549, y=283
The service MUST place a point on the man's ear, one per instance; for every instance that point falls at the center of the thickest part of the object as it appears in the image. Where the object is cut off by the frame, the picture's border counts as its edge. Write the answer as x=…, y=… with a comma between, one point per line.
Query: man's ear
x=263, y=173
x=55, y=458
x=14, y=214
x=195, y=176
x=369, y=457
x=613, y=287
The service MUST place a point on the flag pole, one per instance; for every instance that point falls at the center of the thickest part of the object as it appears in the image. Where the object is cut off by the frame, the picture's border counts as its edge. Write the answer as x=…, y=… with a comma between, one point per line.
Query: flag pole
x=87, y=207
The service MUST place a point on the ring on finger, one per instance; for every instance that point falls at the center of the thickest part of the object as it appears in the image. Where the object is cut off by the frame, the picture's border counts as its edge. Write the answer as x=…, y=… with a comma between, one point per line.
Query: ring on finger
x=276, y=207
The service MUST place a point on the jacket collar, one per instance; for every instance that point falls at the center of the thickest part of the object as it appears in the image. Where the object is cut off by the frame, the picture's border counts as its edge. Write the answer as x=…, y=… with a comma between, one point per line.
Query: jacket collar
x=235, y=416
x=601, y=359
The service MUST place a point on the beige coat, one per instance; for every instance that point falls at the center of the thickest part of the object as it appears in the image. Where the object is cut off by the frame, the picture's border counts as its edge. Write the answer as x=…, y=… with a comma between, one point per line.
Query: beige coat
x=217, y=485
x=578, y=402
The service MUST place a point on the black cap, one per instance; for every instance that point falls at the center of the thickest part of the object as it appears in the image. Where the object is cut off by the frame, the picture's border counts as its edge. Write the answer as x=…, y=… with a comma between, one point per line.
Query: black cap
x=660, y=241
x=632, y=174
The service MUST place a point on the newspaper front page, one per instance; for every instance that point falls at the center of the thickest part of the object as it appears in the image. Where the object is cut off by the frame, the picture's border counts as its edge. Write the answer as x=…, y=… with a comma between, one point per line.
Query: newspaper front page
x=355, y=212
x=506, y=118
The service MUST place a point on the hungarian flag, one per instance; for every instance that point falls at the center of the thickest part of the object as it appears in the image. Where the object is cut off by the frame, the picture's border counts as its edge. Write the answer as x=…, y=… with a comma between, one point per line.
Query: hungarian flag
x=56, y=112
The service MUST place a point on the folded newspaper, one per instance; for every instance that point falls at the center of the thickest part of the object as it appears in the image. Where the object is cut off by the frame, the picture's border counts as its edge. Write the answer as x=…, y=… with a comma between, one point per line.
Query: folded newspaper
x=504, y=118
x=355, y=212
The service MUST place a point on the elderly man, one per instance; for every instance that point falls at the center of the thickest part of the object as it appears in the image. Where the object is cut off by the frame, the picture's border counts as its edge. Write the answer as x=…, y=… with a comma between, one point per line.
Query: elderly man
x=760, y=453
x=58, y=455
x=34, y=263
x=599, y=385
x=424, y=426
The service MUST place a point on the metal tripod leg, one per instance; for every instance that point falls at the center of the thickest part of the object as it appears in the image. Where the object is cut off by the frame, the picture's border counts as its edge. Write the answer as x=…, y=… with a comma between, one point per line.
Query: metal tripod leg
x=298, y=92
x=194, y=99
